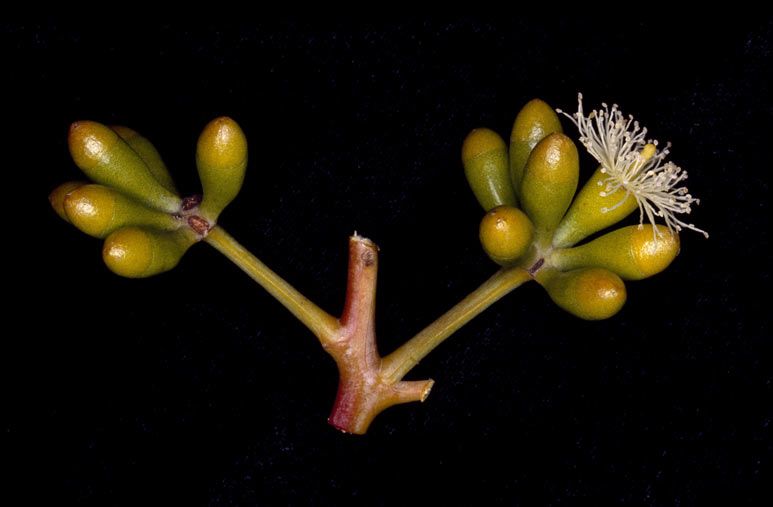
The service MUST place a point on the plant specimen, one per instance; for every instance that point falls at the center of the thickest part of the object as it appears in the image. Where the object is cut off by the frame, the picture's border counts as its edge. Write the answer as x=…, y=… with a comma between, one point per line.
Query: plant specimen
x=533, y=228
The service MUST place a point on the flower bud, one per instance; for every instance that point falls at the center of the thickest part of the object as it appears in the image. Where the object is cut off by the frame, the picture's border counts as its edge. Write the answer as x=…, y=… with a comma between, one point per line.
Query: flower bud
x=98, y=211
x=506, y=234
x=549, y=181
x=484, y=157
x=588, y=293
x=534, y=122
x=593, y=210
x=58, y=195
x=107, y=159
x=148, y=154
x=139, y=253
x=221, y=158
x=632, y=252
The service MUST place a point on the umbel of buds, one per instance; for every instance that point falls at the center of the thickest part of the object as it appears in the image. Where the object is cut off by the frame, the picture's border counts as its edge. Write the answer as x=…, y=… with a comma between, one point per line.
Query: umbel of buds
x=133, y=202
x=535, y=227
x=541, y=235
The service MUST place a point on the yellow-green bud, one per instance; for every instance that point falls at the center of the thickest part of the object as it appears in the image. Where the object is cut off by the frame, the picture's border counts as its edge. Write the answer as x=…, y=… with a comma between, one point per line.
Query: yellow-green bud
x=632, y=252
x=139, y=253
x=484, y=156
x=549, y=181
x=98, y=210
x=588, y=293
x=107, y=159
x=534, y=122
x=505, y=233
x=221, y=158
x=593, y=210
x=59, y=194
x=149, y=154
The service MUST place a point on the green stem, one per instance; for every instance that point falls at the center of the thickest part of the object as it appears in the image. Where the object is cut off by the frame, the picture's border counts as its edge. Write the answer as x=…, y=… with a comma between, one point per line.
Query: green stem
x=402, y=360
x=322, y=324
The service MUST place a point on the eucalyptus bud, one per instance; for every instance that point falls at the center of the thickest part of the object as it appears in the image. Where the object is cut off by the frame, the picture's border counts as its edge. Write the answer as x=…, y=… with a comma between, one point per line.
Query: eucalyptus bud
x=588, y=293
x=98, y=210
x=633, y=252
x=593, y=210
x=549, y=181
x=506, y=234
x=221, y=158
x=107, y=159
x=149, y=155
x=58, y=195
x=484, y=156
x=534, y=122
x=136, y=252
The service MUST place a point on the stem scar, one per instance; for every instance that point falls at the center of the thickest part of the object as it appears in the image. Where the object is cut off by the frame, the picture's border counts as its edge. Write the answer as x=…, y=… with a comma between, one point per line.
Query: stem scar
x=191, y=202
x=199, y=225
x=537, y=265
x=368, y=258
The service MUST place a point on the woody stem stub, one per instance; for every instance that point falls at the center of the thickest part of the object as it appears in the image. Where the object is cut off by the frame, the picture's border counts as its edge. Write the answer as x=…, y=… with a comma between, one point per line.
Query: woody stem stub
x=363, y=391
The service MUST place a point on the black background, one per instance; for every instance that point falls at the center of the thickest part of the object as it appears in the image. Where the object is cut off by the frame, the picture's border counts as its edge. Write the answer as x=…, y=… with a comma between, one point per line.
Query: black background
x=196, y=388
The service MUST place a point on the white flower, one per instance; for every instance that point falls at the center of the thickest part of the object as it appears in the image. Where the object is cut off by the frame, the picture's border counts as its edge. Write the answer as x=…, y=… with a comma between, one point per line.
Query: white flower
x=634, y=164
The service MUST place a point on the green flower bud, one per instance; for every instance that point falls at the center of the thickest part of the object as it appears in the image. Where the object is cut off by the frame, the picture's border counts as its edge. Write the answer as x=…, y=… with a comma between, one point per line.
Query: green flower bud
x=484, y=157
x=98, y=211
x=221, y=157
x=632, y=252
x=549, y=181
x=139, y=253
x=534, y=122
x=107, y=159
x=57, y=197
x=149, y=155
x=588, y=293
x=593, y=210
x=506, y=234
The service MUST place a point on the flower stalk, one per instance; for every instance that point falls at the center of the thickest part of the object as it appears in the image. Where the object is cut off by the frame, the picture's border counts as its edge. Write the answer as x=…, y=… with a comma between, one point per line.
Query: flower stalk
x=323, y=325
x=402, y=360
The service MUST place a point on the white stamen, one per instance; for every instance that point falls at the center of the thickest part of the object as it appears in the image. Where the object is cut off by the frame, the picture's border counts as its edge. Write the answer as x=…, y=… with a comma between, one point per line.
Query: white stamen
x=616, y=142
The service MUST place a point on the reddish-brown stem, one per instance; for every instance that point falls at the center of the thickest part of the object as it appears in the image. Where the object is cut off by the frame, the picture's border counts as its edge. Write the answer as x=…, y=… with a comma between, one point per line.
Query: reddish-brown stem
x=363, y=392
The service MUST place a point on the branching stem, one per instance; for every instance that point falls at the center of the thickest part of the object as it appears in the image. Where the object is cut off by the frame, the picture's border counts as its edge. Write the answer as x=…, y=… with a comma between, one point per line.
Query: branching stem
x=368, y=383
